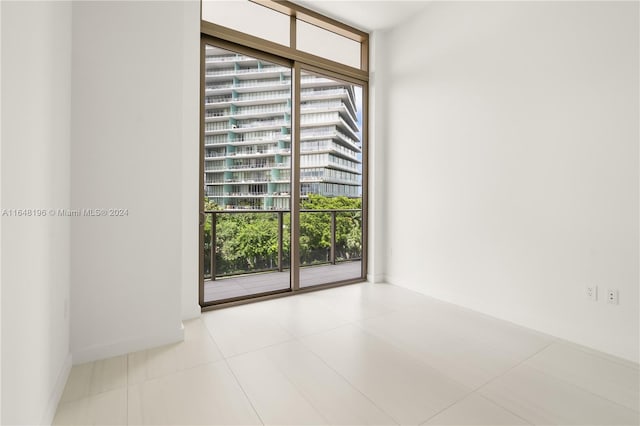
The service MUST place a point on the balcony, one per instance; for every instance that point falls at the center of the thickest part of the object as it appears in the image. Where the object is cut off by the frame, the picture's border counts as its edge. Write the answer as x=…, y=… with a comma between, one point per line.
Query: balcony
x=250, y=254
x=242, y=86
x=227, y=58
x=329, y=146
x=245, y=166
x=233, y=72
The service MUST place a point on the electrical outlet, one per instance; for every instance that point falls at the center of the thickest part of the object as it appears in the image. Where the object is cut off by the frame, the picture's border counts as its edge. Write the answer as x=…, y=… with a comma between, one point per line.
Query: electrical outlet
x=592, y=292
x=612, y=296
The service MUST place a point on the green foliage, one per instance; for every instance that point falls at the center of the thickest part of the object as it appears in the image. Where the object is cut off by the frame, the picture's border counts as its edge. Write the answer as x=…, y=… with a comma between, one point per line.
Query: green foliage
x=248, y=242
x=320, y=202
x=315, y=228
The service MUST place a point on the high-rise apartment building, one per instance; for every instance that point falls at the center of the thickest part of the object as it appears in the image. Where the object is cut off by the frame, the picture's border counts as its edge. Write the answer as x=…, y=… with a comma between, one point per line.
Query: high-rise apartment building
x=248, y=134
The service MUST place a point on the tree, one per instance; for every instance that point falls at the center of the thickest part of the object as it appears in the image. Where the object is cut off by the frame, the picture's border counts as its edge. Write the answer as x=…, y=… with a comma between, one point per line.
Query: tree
x=248, y=242
x=315, y=228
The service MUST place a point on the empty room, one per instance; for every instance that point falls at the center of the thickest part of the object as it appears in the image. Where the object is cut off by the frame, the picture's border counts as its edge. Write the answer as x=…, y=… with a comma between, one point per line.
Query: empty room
x=266, y=212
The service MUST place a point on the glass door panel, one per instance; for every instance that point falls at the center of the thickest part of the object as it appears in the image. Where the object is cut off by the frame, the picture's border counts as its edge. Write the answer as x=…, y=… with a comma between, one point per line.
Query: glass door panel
x=331, y=213
x=247, y=176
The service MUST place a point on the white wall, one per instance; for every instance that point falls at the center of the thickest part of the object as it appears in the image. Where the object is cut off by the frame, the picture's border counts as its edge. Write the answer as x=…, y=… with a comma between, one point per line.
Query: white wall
x=513, y=163
x=128, y=107
x=36, y=84
x=377, y=159
x=0, y=207
x=190, y=158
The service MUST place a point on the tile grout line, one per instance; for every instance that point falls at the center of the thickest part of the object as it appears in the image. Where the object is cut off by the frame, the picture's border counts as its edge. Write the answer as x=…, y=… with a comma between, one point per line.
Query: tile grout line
x=567, y=382
x=126, y=405
x=600, y=355
x=164, y=375
x=244, y=392
x=424, y=363
x=298, y=339
x=300, y=391
x=354, y=323
x=271, y=321
x=226, y=362
x=408, y=353
x=504, y=373
x=475, y=390
x=347, y=380
x=294, y=338
x=227, y=357
x=481, y=396
x=504, y=408
x=315, y=333
x=525, y=361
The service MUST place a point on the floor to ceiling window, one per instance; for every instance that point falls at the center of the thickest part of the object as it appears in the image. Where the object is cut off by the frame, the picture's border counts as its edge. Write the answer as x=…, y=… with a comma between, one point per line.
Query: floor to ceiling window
x=283, y=151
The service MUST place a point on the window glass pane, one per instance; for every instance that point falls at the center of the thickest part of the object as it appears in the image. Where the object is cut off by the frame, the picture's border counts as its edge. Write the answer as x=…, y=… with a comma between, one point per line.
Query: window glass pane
x=248, y=17
x=330, y=180
x=247, y=175
x=329, y=45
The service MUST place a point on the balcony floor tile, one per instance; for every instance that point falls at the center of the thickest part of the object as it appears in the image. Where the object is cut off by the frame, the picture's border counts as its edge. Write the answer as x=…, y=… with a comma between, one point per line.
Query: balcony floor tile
x=245, y=285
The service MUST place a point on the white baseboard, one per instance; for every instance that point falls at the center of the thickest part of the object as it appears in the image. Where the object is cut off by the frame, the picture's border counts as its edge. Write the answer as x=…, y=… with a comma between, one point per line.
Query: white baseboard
x=56, y=393
x=392, y=280
x=408, y=284
x=122, y=347
x=376, y=278
x=192, y=313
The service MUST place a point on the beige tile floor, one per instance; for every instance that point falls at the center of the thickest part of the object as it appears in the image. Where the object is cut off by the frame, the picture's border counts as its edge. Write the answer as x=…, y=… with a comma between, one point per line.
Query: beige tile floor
x=360, y=354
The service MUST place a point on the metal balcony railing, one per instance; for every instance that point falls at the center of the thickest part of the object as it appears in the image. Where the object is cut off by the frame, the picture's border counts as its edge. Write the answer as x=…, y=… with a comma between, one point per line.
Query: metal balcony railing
x=217, y=267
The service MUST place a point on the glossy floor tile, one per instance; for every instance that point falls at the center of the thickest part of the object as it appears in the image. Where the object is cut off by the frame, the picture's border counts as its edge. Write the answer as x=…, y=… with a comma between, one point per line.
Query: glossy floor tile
x=353, y=302
x=276, y=400
x=106, y=408
x=196, y=349
x=357, y=355
x=204, y=395
x=471, y=350
x=243, y=329
x=288, y=384
x=476, y=410
x=301, y=316
x=617, y=382
x=407, y=389
x=95, y=377
x=543, y=399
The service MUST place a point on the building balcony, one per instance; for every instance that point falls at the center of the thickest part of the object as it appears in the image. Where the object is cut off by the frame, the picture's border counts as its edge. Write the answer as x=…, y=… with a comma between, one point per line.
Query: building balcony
x=261, y=97
x=332, y=106
x=246, y=86
x=252, y=273
x=331, y=147
x=318, y=93
x=247, y=127
x=213, y=72
x=258, y=141
x=244, y=194
x=228, y=58
x=267, y=153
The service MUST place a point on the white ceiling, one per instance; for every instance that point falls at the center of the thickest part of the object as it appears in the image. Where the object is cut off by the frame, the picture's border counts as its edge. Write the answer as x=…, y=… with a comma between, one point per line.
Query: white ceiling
x=367, y=15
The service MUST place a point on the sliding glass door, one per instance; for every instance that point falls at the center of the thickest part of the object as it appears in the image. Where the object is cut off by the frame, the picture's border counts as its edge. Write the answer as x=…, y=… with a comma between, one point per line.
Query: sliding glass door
x=247, y=175
x=330, y=180
x=283, y=158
